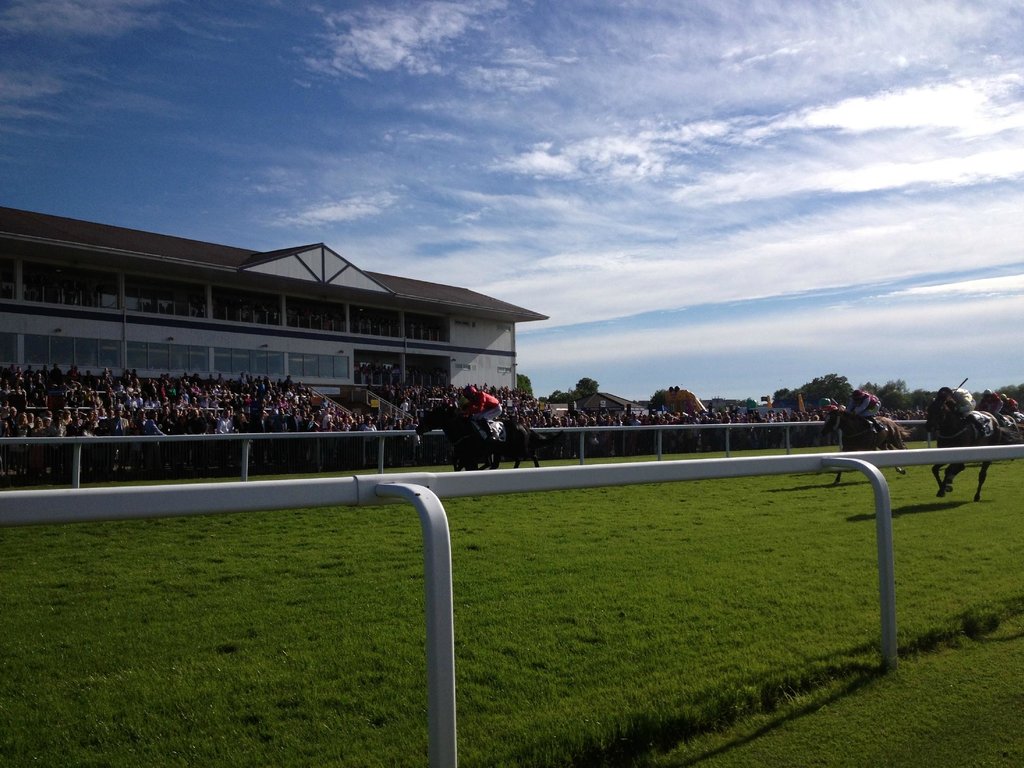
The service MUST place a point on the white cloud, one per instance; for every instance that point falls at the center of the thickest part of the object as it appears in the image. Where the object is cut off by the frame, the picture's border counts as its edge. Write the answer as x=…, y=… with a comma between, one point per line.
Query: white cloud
x=970, y=108
x=349, y=209
x=1004, y=285
x=78, y=18
x=808, y=176
x=412, y=38
x=872, y=244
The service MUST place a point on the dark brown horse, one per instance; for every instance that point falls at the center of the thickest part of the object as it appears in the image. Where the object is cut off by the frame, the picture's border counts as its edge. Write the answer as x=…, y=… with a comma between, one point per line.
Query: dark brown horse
x=471, y=450
x=953, y=429
x=859, y=435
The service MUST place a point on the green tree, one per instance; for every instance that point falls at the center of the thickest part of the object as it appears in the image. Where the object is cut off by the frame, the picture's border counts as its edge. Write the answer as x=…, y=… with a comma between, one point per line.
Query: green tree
x=658, y=399
x=523, y=384
x=831, y=385
x=785, y=394
x=893, y=394
x=1016, y=391
x=586, y=387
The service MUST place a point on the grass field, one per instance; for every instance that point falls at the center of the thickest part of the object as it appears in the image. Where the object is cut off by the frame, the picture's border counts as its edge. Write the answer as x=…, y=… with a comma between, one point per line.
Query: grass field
x=669, y=624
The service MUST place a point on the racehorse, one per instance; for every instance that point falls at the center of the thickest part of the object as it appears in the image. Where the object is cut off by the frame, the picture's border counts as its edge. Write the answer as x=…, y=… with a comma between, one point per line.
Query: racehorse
x=471, y=450
x=952, y=429
x=858, y=435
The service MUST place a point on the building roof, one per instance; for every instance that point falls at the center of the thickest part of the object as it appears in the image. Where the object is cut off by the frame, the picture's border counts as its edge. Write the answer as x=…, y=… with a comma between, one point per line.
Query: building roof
x=38, y=235
x=606, y=401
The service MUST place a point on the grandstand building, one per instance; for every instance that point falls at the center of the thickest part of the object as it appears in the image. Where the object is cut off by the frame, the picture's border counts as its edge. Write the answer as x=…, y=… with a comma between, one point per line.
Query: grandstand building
x=97, y=296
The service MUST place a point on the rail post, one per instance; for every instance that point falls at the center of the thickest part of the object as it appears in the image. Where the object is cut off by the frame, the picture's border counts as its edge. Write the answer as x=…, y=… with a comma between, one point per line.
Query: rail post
x=883, y=536
x=437, y=565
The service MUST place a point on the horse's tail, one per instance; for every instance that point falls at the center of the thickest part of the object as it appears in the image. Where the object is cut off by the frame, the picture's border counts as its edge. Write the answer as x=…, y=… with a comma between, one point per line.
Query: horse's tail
x=900, y=435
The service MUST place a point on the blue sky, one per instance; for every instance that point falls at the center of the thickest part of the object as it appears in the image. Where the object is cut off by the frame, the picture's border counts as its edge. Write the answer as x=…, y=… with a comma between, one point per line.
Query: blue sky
x=730, y=197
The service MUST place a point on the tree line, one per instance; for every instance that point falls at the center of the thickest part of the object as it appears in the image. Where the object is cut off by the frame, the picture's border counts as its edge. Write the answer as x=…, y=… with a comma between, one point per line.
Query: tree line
x=894, y=394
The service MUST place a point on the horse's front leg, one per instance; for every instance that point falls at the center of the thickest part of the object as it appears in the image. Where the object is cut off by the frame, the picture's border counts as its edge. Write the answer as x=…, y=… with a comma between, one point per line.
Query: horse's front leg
x=839, y=476
x=936, y=468
x=947, y=479
x=981, y=479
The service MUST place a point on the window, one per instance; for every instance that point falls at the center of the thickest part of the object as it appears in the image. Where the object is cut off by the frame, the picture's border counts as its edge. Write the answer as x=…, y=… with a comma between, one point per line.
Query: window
x=312, y=366
x=8, y=347
x=243, y=307
x=87, y=352
x=71, y=350
x=167, y=358
x=6, y=279
x=37, y=349
x=255, y=361
x=426, y=327
x=145, y=294
x=67, y=285
x=375, y=322
x=319, y=316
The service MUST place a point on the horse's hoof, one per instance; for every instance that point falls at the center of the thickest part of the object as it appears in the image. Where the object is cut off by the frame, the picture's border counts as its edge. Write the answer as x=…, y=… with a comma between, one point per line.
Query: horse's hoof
x=901, y=470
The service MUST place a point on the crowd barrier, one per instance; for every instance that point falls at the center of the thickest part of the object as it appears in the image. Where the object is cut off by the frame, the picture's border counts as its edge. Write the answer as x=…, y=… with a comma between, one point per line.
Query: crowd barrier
x=77, y=461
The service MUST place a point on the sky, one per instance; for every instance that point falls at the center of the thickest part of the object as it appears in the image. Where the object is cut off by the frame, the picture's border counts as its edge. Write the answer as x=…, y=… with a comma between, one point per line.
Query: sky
x=729, y=197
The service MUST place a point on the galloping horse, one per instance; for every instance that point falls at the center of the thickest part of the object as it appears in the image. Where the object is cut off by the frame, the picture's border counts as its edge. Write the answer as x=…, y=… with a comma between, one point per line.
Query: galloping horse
x=952, y=429
x=858, y=435
x=471, y=450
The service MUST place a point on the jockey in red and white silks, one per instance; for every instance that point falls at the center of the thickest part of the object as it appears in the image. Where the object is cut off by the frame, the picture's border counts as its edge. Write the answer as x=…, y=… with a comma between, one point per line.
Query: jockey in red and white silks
x=863, y=404
x=480, y=405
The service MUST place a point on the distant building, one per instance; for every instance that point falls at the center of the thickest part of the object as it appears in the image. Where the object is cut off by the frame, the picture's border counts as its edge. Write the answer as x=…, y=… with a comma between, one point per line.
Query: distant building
x=98, y=296
x=612, y=404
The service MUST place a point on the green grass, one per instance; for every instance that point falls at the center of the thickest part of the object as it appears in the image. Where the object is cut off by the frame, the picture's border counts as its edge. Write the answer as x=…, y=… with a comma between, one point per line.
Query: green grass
x=615, y=626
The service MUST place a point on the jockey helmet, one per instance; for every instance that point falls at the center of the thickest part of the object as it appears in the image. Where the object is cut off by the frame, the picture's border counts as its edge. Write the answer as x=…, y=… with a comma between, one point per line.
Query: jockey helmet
x=469, y=390
x=859, y=394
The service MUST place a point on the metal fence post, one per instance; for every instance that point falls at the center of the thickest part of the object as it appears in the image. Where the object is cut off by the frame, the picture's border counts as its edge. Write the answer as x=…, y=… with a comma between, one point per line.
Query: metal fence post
x=437, y=564
x=883, y=535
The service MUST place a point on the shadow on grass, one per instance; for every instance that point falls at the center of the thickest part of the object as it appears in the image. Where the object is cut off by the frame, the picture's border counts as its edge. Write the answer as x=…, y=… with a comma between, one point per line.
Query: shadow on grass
x=815, y=703
x=777, y=698
x=645, y=735
x=915, y=509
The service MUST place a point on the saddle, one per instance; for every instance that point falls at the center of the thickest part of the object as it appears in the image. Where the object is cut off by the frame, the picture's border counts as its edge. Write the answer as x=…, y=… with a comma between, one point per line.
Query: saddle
x=491, y=430
x=983, y=425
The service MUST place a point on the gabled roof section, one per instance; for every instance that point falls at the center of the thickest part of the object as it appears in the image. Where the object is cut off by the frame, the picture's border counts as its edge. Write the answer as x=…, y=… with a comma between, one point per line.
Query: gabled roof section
x=454, y=297
x=314, y=263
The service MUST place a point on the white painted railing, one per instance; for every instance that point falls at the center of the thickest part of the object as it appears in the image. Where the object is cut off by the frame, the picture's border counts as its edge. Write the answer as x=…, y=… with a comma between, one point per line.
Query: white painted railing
x=590, y=443
x=424, y=490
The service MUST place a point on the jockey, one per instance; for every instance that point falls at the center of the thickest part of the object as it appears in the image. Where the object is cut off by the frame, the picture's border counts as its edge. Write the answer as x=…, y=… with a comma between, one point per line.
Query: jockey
x=480, y=406
x=1010, y=406
x=991, y=402
x=964, y=401
x=865, y=405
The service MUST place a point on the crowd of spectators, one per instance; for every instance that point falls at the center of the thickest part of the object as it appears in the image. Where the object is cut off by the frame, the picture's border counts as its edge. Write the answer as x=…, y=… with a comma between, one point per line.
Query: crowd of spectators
x=37, y=402
x=56, y=402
